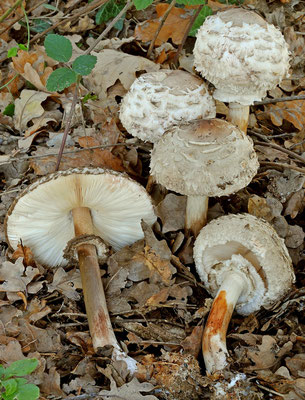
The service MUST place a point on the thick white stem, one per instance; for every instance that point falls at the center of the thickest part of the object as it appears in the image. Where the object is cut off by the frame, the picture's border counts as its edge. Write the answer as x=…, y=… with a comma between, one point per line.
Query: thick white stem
x=196, y=213
x=239, y=116
x=214, y=346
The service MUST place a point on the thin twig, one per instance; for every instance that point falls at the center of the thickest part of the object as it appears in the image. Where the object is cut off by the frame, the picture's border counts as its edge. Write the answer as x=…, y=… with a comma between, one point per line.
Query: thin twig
x=280, y=165
x=270, y=390
x=192, y=20
x=90, y=7
x=279, y=100
x=162, y=21
x=19, y=17
x=10, y=10
x=109, y=27
x=282, y=149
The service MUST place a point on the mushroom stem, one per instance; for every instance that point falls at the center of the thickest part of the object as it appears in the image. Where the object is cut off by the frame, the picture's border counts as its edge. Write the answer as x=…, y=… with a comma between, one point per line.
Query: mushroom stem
x=239, y=116
x=196, y=214
x=98, y=317
x=214, y=346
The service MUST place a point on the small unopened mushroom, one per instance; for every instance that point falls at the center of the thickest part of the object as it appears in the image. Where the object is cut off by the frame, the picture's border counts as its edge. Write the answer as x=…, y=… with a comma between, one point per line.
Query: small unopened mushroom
x=84, y=206
x=201, y=159
x=245, y=265
x=243, y=56
x=158, y=100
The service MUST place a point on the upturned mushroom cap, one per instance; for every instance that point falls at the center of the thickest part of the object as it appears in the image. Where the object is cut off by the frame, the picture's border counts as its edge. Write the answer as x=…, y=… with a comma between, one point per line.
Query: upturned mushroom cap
x=204, y=158
x=158, y=100
x=41, y=216
x=241, y=54
x=250, y=246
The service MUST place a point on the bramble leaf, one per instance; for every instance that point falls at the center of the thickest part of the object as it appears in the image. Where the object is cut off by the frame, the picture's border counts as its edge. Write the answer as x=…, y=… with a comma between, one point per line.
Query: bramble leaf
x=58, y=47
x=60, y=79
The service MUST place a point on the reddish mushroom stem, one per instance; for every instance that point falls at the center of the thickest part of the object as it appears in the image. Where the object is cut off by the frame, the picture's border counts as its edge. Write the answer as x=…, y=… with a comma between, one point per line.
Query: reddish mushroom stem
x=239, y=116
x=214, y=346
x=196, y=214
x=98, y=317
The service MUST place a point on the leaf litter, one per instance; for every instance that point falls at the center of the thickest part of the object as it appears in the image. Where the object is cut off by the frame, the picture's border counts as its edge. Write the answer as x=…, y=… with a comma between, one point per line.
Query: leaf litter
x=156, y=301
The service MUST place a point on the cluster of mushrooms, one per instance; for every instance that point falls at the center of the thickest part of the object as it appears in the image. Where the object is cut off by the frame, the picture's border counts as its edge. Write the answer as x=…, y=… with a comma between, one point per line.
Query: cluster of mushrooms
x=80, y=213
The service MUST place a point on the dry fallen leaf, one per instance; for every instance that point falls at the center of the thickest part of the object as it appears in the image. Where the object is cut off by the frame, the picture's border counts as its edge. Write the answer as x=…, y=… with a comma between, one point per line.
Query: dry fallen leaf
x=114, y=65
x=174, y=26
x=131, y=390
x=66, y=283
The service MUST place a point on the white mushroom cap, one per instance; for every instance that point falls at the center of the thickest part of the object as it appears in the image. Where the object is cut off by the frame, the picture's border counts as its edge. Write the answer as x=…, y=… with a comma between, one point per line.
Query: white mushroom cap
x=204, y=158
x=41, y=216
x=241, y=54
x=250, y=246
x=158, y=100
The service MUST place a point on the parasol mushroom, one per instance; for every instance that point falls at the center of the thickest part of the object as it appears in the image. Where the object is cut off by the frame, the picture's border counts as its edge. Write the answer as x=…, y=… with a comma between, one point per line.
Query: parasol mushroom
x=243, y=56
x=87, y=209
x=245, y=265
x=158, y=100
x=201, y=159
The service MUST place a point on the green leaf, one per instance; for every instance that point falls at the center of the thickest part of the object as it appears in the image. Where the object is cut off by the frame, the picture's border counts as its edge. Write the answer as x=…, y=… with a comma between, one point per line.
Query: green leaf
x=50, y=7
x=60, y=79
x=89, y=96
x=141, y=4
x=191, y=2
x=21, y=367
x=205, y=12
x=27, y=392
x=83, y=65
x=9, y=111
x=58, y=47
x=108, y=11
x=23, y=47
x=10, y=386
x=12, y=52
x=40, y=25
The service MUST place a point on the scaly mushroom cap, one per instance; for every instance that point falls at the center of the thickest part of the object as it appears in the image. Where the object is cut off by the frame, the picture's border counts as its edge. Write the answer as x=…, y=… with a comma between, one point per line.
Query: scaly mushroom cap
x=158, y=100
x=41, y=216
x=204, y=158
x=249, y=246
x=241, y=54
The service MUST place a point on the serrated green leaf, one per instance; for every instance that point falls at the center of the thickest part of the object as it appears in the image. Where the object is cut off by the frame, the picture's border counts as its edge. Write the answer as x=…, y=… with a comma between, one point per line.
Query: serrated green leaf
x=191, y=2
x=40, y=25
x=27, y=392
x=58, y=47
x=141, y=4
x=10, y=386
x=60, y=79
x=205, y=12
x=83, y=65
x=21, y=367
x=12, y=52
x=108, y=11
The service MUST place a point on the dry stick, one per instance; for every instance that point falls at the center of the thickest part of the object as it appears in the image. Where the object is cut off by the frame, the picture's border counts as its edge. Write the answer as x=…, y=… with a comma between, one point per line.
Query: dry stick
x=85, y=10
x=282, y=149
x=10, y=10
x=109, y=27
x=280, y=165
x=186, y=33
x=162, y=21
x=21, y=17
x=280, y=99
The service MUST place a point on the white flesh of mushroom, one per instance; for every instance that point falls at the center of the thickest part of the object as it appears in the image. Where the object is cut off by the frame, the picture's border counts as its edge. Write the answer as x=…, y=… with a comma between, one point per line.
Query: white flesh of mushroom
x=246, y=266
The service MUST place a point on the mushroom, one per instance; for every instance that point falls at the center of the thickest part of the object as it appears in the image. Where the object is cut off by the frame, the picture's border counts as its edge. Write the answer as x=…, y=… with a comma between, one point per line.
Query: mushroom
x=158, y=100
x=243, y=56
x=200, y=159
x=245, y=265
x=90, y=208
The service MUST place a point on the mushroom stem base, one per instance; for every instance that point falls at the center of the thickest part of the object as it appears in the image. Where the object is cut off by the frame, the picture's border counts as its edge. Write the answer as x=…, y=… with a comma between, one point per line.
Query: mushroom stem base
x=239, y=116
x=196, y=214
x=214, y=346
